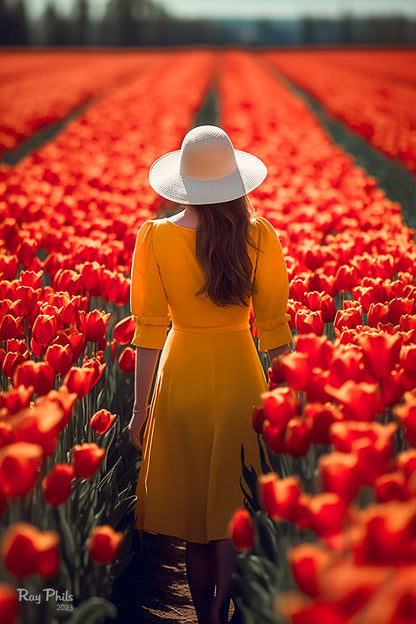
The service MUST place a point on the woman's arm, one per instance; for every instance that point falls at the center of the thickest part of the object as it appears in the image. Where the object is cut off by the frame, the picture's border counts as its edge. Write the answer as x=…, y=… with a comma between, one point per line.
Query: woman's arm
x=145, y=367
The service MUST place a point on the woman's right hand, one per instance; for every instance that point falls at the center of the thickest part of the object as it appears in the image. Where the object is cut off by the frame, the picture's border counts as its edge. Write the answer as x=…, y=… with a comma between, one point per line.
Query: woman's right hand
x=135, y=426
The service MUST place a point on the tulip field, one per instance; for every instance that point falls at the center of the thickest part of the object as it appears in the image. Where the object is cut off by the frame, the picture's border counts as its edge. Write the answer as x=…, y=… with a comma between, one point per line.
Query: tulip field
x=329, y=533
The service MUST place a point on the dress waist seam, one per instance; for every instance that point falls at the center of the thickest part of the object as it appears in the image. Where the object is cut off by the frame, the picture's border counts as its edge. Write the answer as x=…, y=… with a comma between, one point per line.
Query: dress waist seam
x=211, y=330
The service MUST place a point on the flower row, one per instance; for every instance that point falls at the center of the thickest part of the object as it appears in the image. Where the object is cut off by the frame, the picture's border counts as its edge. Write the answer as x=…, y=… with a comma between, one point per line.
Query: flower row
x=377, y=107
x=70, y=215
x=44, y=88
x=343, y=407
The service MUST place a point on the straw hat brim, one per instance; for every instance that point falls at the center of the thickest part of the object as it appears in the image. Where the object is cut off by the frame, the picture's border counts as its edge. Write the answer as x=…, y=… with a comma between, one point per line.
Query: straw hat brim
x=167, y=180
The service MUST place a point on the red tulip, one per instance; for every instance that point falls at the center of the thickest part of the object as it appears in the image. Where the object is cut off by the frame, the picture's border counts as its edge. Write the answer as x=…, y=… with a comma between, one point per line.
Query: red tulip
x=40, y=375
x=91, y=276
x=392, y=388
x=408, y=322
x=308, y=561
x=317, y=348
x=386, y=536
x=16, y=399
x=57, y=485
x=65, y=400
x=67, y=280
x=11, y=327
x=8, y=265
x=380, y=353
x=391, y=486
x=7, y=435
x=18, y=345
x=279, y=406
x=26, y=252
x=406, y=414
x=295, y=368
x=399, y=307
x=44, y=329
x=124, y=330
x=241, y=530
x=116, y=286
x=11, y=362
x=309, y=322
x=275, y=437
x=69, y=310
x=360, y=401
x=59, y=357
x=298, y=289
x=408, y=360
x=31, y=278
x=346, y=278
x=340, y=474
x=320, y=416
x=317, y=390
x=346, y=365
x=104, y=543
x=93, y=324
x=365, y=295
x=406, y=462
x=318, y=301
x=297, y=437
x=327, y=514
x=19, y=465
x=26, y=550
x=301, y=515
x=102, y=421
x=40, y=425
x=75, y=339
x=377, y=313
x=278, y=496
x=127, y=360
x=258, y=419
x=373, y=457
x=298, y=610
x=79, y=380
x=348, y=319
x=9, y=604
x=86, y=459
x=97, y=365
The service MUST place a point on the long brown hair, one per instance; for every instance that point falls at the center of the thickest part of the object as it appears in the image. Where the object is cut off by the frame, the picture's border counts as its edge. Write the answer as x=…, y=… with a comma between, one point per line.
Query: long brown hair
x=222, y=236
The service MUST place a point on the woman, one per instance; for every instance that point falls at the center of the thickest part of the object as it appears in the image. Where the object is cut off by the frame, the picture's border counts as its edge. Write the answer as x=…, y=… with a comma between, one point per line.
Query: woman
x=203, y=270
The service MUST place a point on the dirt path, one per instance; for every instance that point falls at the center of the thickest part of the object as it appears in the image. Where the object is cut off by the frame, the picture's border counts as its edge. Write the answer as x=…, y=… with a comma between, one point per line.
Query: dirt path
x=153, y=589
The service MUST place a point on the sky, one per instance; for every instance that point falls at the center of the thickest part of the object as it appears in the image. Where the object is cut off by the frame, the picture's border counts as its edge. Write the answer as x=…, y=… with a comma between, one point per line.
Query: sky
x=273, y=9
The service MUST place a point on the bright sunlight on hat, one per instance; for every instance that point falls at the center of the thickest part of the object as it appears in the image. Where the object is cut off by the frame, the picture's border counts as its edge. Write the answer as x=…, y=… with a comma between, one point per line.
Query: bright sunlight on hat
x=206, y=170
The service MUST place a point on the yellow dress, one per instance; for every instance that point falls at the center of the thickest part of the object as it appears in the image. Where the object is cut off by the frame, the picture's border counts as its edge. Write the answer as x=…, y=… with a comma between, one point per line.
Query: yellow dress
x=209, y=377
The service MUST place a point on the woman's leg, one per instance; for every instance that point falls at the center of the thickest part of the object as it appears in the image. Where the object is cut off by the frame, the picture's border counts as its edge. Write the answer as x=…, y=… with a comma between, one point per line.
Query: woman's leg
x=201, y=578
x=225, y=565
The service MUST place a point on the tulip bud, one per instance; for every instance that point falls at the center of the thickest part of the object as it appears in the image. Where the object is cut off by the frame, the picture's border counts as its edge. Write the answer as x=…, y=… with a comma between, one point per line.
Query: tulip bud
x=102, y=421
x=241, y=530
x=86, y=459
x=57, y=484
x=104, y=543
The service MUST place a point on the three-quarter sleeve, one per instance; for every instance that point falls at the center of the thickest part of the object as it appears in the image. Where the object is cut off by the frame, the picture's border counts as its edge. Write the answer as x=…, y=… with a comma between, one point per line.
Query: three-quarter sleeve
x=272, y=290
x=149, y=306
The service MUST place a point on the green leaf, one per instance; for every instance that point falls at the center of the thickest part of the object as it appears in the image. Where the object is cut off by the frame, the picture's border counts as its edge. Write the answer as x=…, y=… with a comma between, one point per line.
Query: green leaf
x=264, y=465
x=66, y=532
x=266, y=537
x=122, y=508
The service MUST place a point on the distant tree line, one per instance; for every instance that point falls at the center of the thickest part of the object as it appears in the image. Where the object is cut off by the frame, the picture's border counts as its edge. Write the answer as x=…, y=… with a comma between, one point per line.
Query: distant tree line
x=132, y=23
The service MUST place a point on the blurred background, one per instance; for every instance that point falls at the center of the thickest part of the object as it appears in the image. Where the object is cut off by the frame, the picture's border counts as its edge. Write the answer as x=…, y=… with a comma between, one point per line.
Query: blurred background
x=132, y=23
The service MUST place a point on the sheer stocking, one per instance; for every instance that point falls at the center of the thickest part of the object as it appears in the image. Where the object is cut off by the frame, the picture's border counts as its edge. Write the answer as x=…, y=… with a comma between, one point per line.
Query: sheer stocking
x=225, y=565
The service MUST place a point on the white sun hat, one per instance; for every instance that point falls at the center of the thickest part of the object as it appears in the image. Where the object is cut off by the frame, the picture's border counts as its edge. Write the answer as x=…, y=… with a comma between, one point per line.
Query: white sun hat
x=206, y=170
